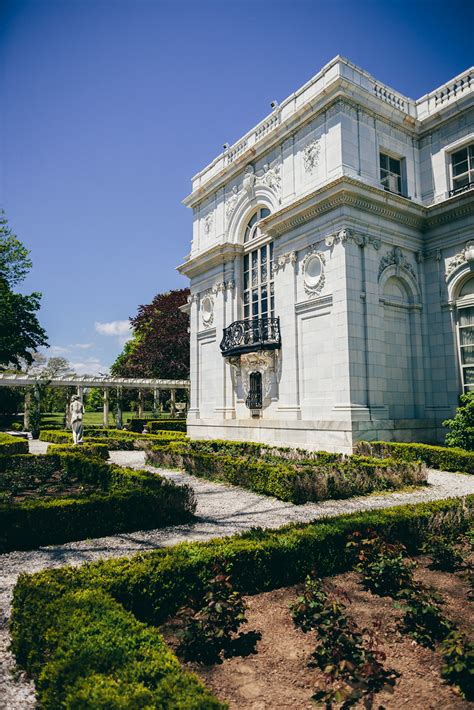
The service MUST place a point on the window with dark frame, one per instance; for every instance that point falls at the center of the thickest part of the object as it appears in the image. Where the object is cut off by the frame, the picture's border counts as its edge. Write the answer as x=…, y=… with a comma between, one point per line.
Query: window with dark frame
x=391, y=174
x=259, y=290
x=462, y=165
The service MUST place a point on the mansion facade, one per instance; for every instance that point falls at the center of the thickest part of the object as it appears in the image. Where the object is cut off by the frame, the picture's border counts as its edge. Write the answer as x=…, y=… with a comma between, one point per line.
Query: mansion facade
x=332, y=268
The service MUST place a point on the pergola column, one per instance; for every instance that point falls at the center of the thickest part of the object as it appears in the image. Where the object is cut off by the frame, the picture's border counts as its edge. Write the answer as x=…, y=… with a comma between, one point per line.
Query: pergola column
x=80, y=392
x=173, y=402
x=106, y=408
x=26, y=413
x=141, y=404
x=118, y=417
x=156, y=401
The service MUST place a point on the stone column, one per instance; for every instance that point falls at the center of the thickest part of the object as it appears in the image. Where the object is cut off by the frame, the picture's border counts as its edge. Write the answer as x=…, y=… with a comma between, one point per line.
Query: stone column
x=141, y=404
x=156, y=402
x=26, y=414
x=106, y=408
x=68, y=410
x=173, y=403
x=118, y=414
x=80, y=392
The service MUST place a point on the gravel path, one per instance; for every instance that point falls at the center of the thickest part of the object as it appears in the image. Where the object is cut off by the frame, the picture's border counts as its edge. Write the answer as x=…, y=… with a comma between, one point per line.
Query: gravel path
x=222, y=510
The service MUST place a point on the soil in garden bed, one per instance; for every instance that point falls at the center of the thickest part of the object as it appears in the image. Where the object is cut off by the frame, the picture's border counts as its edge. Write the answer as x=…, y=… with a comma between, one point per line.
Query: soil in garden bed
x=55, y=487
x=277, y=676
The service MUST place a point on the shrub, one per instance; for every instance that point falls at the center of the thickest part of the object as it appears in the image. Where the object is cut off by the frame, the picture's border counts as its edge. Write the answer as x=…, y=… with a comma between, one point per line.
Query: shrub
x=444, y=551
x=461, y=427
x=458, y=663
x=441, y=457
x=155, y=425
x=296, y=481
x=122, y=500
x=97, y=450
x=423, y=618
x=16, y=426
x=12, y=444
x=209, y=632
x=384, y=568
x=352, y=665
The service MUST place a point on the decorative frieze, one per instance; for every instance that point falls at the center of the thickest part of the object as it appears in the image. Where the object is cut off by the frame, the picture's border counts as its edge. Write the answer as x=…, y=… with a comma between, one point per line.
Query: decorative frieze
x=395, y=257
x=312, y=268
x=351, y=235
x=284, y=259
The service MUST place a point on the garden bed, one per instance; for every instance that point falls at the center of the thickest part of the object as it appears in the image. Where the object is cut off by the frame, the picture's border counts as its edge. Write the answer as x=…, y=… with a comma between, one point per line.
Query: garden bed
x=57, y=497
x=87, y=635
x=277, y=676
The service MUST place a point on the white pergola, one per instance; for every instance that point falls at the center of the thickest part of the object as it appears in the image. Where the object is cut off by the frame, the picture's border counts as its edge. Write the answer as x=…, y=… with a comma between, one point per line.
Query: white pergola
x=105, y=383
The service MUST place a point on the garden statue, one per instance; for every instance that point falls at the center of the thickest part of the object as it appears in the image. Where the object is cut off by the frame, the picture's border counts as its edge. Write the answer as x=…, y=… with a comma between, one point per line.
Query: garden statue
x=77, y=413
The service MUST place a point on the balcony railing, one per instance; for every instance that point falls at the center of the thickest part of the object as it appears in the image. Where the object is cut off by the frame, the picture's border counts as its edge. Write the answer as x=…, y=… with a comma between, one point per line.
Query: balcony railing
x=244, y=336
x=463, y=188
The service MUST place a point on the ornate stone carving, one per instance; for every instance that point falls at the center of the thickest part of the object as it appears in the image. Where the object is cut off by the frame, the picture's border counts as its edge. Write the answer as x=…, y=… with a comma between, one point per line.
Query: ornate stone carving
x=466, y=255
x=249, y=181
x=231, y=202
x=284, y=259
x=222, y=286
x=311, y=155
x=396, y=258
x=262, y=362
x=271, y=177
x=208, y=222
x=312, y=268
x=207, y=309
x=345, y=235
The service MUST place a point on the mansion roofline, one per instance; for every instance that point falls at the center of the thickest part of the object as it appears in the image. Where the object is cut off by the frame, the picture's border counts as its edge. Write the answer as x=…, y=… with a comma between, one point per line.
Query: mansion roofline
x=340, y=78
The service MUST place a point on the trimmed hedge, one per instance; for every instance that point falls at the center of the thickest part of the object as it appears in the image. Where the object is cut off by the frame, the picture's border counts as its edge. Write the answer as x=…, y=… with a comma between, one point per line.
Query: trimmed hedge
x=98, y=450
x=299, y=481
x=125, y=500
x=441, y=457
x=116, y=439
x=155, y=425
x=79, y=631
x=12, y=444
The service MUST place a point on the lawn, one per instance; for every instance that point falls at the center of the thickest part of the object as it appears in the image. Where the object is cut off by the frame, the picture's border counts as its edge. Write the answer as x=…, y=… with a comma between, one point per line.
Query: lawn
x=94, y=418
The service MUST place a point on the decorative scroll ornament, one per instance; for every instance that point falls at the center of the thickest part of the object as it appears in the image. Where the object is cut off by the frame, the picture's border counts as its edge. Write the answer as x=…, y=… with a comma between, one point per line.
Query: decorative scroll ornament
x=311, y=155
x=222, y=286
x=350, y=235
x=284, y=259
x=466, y=255
x=207, y=309
x=312, y=268
x=208, y=222
x=271, y=177
x=396, y=258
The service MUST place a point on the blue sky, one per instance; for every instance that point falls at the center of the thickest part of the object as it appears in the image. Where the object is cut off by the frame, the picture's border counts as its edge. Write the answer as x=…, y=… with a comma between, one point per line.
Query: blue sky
x=107, y=109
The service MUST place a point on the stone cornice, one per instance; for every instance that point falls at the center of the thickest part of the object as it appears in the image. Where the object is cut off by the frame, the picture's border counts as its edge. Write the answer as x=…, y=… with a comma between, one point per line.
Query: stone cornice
x=217, y=254
x=452, y=208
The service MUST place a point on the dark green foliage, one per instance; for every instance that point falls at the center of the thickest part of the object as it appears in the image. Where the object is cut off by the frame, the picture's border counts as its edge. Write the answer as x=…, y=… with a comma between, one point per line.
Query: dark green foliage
x=352, y=664
x=461, y=427
x=123, y=500
x=280, y=473
x=155, y=426
x=154, y=585
x=210, y=631
x=423, y=618
x=115, y=439
x=440, y=457
x=445, y=551
x=12, y=444
x=97, y=450
x=458, y=663
x=383, y=565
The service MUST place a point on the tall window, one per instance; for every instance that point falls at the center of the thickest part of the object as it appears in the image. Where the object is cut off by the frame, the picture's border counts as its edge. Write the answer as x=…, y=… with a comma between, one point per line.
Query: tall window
x=465, y=306
x=253, y=231
x=391, y=174
x=462, y=163
x=259, y=294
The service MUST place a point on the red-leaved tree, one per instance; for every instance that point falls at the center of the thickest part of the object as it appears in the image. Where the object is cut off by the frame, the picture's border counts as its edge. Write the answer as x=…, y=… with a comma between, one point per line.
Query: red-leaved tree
x=160, y=344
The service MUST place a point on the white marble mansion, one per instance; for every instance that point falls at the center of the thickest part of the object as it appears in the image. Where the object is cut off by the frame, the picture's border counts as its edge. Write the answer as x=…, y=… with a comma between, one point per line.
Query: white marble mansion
x=332, y=267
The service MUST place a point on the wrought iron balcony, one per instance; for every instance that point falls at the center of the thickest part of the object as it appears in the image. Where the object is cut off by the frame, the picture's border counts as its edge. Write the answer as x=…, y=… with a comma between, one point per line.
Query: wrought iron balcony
x=244, y=336
x=459, y=190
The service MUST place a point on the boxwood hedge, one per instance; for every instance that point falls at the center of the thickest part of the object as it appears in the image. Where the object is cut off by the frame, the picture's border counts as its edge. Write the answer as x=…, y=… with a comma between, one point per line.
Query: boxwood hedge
x=123, y=500
x=279, y=473
x=441, y=457
x=12, y=444
x=81, y=633
x=155, y=425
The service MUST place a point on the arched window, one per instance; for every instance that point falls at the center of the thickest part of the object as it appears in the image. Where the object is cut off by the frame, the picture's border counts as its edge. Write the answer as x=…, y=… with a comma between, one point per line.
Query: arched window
x=465, y=326
x=258, y=286
x=252, y=230
x=254, y=399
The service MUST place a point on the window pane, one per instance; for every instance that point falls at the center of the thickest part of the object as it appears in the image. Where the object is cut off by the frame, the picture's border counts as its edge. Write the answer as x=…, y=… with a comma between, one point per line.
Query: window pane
x=253, y=220
x=247, y=234
x=459, y=156
x=383, y=161
x=460, y=168
x=264, y=212
x=395, y=166
x=466, y=316
x=246, y=279
x=466, y=336
x=469, y=375
x=467, y=355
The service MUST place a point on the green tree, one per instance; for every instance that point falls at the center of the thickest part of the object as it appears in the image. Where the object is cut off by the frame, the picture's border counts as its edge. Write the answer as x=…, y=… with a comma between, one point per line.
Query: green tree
x=20, y=331
x=461, y=427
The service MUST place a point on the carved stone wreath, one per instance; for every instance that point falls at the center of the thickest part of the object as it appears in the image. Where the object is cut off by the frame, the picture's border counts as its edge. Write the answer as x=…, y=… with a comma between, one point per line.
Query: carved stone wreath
x=311, y=155
x=312, y=268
